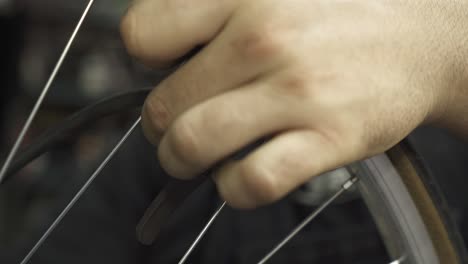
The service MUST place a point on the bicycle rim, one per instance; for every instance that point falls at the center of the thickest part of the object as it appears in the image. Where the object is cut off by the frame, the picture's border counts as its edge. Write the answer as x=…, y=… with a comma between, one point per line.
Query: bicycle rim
x=406, y=212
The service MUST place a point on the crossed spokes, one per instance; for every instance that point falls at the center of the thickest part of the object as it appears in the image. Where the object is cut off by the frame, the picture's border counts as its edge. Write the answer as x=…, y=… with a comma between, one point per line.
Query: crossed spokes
x=56, y=222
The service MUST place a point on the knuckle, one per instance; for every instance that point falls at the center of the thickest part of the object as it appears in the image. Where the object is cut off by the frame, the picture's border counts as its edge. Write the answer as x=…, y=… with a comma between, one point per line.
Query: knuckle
x=156, y=114
x=296, y=84
x=260, y=43
x=185, y=144
x=301, y=83
x=260, y=184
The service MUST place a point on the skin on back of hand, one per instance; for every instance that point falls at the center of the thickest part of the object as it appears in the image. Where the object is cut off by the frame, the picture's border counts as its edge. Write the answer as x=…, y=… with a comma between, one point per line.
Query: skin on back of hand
x=331, y=82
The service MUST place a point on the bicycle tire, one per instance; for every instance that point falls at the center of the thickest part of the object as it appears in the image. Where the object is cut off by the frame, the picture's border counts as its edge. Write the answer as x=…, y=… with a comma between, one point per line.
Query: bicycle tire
x=429, y=226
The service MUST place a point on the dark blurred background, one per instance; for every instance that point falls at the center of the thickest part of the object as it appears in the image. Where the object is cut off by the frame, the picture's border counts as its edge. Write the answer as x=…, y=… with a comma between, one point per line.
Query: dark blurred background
x=101, y=228
x=33, y=36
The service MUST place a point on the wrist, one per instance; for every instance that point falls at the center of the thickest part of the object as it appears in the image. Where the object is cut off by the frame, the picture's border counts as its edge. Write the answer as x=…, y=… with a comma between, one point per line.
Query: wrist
x=455, y=114
x=450, y=107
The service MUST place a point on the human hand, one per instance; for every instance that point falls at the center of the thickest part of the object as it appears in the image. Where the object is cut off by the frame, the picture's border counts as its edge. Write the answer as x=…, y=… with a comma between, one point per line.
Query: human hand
x=331, y=81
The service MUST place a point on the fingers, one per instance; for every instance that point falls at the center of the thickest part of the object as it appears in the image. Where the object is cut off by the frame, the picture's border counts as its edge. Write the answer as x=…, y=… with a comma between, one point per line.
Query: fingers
x=159, y=31
x=213, y=130
x=278, y=167
x=229, y=61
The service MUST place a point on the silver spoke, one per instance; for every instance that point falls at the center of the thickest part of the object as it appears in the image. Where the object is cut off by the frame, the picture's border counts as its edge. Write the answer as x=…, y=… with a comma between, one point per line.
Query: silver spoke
x=312, y=216
x=202, y=233
x=80, y=193
x=398, y=261
x=43, y=94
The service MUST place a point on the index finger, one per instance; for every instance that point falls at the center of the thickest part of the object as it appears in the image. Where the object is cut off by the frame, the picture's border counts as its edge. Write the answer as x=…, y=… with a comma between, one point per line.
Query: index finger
x=160, y=31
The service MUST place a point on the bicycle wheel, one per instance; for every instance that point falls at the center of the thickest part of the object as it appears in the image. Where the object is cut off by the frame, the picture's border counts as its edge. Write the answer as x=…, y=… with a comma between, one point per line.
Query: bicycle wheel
x=406, y=205
x=408, y=208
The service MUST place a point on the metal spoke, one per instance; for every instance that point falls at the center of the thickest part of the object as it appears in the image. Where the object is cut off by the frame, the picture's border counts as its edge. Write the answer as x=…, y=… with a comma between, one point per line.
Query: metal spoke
x=202, y=233
x=43, y=94
x=80, y=193
x=398, y=261
x=312, y=216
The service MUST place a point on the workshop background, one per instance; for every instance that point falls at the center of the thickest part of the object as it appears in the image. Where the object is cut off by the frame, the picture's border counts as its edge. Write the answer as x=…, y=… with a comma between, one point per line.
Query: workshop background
x=101, y=229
